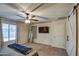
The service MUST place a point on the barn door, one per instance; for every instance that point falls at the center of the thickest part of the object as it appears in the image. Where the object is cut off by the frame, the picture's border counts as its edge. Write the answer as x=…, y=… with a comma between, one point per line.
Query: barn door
x=71, y=32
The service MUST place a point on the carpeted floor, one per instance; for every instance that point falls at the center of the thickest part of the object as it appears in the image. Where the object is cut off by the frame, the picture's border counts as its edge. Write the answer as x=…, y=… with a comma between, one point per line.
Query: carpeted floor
x=42, y=50
x=45, y=50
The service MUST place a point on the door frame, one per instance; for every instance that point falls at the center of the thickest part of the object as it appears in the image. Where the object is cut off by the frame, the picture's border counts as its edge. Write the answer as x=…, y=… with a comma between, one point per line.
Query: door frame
x=77, y=27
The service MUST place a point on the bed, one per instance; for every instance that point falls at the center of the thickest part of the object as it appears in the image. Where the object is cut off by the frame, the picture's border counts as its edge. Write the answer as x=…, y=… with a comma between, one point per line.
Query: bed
x=23, y=49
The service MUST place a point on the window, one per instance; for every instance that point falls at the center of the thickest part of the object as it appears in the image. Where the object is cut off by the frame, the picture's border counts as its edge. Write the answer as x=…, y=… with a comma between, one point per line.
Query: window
x=12, y=32
x=5, y=32
x=9, y=32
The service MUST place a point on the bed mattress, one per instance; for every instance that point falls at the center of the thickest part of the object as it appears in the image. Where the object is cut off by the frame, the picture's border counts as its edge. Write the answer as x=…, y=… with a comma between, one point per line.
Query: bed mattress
x=20, y=48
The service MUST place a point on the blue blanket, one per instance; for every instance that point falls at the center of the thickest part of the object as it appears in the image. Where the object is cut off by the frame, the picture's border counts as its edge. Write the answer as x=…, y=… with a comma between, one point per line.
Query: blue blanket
x=24, y=50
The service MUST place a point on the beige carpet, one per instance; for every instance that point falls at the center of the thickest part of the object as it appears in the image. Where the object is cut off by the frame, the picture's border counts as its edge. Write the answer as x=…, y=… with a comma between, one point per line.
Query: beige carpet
x=43, y=50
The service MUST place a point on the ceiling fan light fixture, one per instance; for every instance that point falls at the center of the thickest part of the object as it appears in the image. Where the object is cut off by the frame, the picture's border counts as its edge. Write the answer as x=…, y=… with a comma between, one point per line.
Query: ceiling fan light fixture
x=27, y=21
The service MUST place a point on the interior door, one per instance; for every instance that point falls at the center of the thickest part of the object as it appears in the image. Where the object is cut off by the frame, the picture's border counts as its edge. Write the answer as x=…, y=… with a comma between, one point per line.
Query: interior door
x=33, y=33
x=59, y=37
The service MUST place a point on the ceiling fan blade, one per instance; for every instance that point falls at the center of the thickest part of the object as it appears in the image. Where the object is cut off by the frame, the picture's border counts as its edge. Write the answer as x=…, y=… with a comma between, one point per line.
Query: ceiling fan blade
x=20, y=16
x=34, y=19
x=41, y=17
x=37, y=7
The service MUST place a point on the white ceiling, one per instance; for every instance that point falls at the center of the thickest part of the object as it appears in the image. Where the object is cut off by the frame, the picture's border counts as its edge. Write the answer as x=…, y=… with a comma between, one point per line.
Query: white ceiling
x=47, y=10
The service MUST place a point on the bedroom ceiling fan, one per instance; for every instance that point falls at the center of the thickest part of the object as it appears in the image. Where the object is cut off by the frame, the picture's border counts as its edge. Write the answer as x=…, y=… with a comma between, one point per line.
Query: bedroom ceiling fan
x=29, y=17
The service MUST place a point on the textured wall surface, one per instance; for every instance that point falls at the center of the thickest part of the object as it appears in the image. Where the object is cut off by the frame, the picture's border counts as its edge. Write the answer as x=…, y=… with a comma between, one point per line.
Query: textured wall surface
x=51, y=38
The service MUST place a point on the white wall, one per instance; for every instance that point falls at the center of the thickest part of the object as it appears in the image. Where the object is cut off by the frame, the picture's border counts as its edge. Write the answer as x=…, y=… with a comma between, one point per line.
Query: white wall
x=22, y=32
x=44, y=38
x=59, y=33
x=48, y=38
